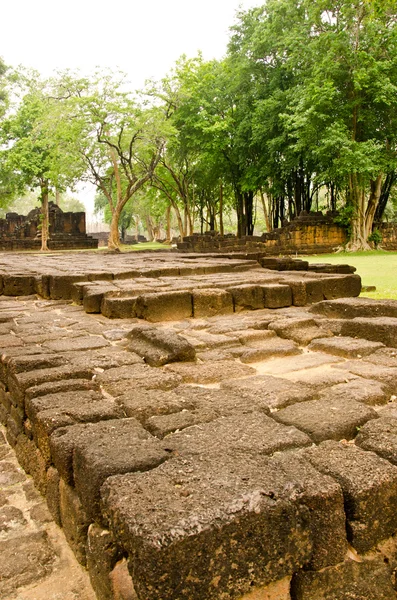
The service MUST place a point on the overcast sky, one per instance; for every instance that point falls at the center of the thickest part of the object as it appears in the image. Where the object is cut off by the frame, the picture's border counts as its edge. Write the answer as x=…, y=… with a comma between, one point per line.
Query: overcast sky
x=143, y=38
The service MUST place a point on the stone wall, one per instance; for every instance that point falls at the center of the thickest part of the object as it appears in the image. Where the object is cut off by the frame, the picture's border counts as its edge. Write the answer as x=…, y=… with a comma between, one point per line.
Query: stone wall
x=307, y=234
x=67, y=230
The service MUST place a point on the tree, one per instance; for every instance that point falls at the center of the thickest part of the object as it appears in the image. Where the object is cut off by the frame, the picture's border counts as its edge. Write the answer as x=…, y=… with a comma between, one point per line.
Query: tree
x=326, y=74
x=29, y=154
x=117, y=139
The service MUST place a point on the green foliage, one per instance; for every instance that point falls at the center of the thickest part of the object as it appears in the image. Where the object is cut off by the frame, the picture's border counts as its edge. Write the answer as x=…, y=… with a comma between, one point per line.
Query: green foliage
x=376, y=238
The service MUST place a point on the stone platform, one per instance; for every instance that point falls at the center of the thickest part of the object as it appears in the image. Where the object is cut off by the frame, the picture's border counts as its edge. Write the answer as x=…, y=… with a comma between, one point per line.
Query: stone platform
x=246, y=450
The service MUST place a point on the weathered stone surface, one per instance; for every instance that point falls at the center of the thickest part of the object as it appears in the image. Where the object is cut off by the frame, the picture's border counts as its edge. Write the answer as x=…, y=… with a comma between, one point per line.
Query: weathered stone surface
x=276, y=295
x=160, y=346
x=247, y=297
x=144, y=404
x=139, y=376
x=301, y=330
x=18, y=285
x=53, y=495
x=350, y=308
x=102, y=555
x=77, y=344
x=25, y=559
x=165, y=306
x=47, y=413
x=119, y=308
x=31, y=459
x=305, y=291
x=385, y=357
x=368, y=370
x=341, y=287
x=366, y=580
x=369, y=485
x=197, y=530
x=376, y=329
x=74, y=520
x=380, y=437
x=65, y=439
x=207, y=373
x=360, y=390
x=327, y=418
x=345, y=346
x=11, y=518
x=211, y=302
x=254, y=433
x=266, y=392
x=274, y=347
x=122, y=449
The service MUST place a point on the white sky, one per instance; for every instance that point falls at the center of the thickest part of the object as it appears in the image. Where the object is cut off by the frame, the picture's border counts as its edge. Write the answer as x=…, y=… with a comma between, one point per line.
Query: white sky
x=144, y=39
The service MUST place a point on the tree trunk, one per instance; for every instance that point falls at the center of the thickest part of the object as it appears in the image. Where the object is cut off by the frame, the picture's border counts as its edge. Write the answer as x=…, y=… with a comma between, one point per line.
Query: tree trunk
x=265, y=212
x=168, y=225
x=45, y=223
x=114, y=236
x=359, y=233
x=221, y=229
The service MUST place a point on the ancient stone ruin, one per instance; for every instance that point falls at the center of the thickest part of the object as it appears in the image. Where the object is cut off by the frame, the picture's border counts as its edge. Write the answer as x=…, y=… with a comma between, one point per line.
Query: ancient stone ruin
x=67, y=230
x=202, y=428
x=309, y=233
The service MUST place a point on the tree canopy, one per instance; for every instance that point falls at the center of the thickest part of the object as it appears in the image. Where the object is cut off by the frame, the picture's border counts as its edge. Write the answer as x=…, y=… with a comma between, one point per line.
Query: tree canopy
x=299, y=114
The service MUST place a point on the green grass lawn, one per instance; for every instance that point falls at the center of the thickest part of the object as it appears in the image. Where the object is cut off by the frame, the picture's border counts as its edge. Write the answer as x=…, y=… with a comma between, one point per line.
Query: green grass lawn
x=377, y=268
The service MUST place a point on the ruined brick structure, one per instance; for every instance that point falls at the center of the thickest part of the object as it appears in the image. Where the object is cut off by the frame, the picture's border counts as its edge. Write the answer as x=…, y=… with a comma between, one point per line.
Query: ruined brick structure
x=201, y=428
x=67, y=230
x=312, y=233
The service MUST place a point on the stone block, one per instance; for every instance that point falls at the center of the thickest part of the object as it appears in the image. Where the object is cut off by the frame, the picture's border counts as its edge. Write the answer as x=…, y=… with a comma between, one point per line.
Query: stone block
x=61, y=286
x=272, y=348
x=79, y=344
x=24, y=560
x=268, y=393
x=300, y=330
x=210, y=373
x=102, y=555
x=74, y=521
x=64, y=440
x=362, y=390
x=365, y=580
x=327, y=418
x=118, y=308
x=376, y=329
x=350, y=308
x=247, y=297
x=119, y=380
x=160, y=346
x=165, y=306
x=212, y=302
x=47, y=413
x=369, y=485
x=367, y=370
x=276, y=295
x=18, y=285
x=341, y=286
x=254, y=433
x=380, y=437
x=53, y=495
x=345, y=346
x=122, y=449
x=144, y=404
x=31, y=459
x=92, y=298
x=207, y=529
x=305, y=291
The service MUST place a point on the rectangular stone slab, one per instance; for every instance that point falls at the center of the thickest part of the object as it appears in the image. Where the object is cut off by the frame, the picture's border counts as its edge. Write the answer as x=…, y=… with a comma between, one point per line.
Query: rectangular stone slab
x=369, y=485
x=207, y=529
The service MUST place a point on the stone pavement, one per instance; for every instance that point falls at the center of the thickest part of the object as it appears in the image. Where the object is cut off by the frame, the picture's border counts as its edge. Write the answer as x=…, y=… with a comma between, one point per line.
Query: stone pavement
x=245, y=454
x=36, y=562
